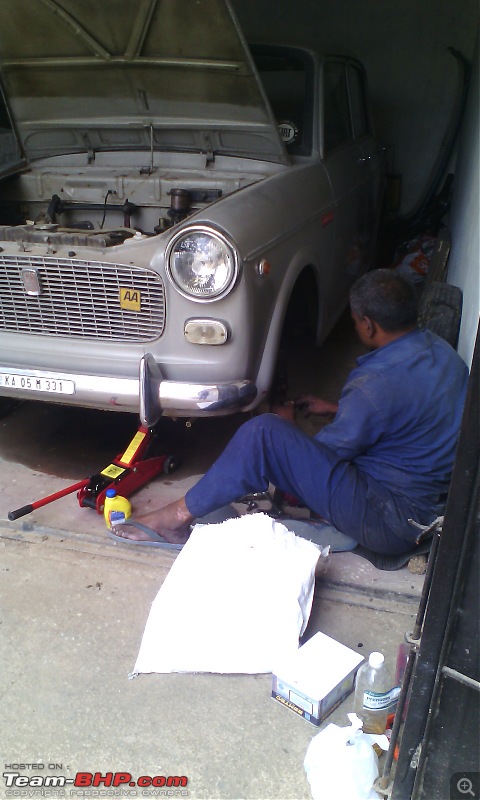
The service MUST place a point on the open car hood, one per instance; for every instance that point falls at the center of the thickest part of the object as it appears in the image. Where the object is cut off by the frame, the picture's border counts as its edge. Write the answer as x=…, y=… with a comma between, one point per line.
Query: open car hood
x=92, y=75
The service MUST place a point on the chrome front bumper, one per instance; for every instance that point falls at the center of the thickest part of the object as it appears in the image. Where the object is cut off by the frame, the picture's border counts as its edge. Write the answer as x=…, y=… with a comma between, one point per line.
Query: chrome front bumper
x=150, y=395
x=159, y=396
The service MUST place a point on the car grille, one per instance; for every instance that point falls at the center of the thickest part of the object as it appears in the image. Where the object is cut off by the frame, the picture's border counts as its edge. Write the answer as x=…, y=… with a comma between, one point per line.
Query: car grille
x=81, y=299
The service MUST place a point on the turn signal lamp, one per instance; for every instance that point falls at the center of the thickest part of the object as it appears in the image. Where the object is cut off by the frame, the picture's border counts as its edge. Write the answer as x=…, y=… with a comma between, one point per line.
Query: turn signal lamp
x=205, y=331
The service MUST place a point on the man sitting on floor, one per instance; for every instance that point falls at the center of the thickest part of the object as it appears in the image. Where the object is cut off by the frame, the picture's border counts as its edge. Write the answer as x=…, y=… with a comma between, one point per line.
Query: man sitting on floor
x=386, y=458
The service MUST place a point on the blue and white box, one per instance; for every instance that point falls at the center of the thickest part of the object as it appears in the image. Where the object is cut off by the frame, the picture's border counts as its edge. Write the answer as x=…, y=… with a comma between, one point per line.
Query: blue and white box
x=315, y=679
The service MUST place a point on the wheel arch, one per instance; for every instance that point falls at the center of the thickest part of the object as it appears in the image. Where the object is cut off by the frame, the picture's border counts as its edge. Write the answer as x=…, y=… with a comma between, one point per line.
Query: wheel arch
x=304, y=280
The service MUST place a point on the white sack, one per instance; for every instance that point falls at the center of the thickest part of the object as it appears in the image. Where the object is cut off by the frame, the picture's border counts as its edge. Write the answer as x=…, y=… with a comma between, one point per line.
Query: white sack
x=236, y=600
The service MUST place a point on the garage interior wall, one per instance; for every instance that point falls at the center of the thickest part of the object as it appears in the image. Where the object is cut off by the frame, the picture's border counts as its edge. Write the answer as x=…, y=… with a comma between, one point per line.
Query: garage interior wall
x=415, y=85
x=464, y=263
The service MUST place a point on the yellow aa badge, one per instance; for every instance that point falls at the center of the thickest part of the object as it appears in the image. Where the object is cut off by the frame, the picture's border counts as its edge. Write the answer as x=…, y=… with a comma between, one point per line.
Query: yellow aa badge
x=129, y=299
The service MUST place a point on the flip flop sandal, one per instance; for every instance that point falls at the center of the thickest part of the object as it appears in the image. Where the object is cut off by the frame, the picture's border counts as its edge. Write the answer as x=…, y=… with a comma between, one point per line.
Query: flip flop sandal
x=155, y=539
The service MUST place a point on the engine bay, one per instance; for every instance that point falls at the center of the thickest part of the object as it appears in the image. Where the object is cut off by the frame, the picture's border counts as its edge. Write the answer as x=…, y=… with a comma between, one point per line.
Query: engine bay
x=86, y=232
x=83, y=224
x=105, y=207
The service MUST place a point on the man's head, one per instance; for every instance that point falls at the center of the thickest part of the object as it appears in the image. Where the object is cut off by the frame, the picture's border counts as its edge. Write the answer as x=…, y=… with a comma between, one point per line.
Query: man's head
x=383, y=306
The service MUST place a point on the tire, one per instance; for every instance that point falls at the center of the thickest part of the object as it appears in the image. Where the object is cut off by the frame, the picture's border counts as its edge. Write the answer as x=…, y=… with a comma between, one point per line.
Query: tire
x=441, y=311
x=170, y=465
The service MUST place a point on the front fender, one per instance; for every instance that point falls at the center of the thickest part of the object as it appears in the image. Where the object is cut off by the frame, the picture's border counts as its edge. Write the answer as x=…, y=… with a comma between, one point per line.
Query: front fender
x=301, y=260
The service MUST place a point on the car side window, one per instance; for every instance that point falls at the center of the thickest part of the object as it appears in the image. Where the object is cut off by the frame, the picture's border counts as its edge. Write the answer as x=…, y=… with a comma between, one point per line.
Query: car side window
x=336, y=111
x=358, y=106
x=287, y=78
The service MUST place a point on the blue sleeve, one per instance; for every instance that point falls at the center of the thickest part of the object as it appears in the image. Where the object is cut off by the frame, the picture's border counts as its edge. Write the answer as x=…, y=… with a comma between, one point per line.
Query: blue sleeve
x=358, y=424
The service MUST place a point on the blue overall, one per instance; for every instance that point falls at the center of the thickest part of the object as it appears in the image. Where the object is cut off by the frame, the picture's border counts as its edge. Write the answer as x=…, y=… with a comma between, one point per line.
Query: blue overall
x=387, y=456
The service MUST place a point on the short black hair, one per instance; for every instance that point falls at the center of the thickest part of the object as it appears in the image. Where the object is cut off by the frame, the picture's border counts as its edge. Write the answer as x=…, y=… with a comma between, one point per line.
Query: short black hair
x=385, y=297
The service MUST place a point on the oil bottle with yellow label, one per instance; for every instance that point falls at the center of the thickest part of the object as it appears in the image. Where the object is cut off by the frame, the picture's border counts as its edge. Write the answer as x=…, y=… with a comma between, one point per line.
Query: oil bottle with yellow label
x=117, y=509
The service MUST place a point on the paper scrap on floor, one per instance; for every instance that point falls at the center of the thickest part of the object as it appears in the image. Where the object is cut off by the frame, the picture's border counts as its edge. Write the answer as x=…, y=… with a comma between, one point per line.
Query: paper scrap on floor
x=236, y=600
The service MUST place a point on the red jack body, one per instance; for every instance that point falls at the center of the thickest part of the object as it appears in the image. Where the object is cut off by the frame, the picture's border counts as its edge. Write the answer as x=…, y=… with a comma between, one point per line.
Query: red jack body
x=127, y=473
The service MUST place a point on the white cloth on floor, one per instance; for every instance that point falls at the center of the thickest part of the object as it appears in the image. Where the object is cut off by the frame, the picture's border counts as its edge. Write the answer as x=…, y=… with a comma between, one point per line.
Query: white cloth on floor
x=236, y=600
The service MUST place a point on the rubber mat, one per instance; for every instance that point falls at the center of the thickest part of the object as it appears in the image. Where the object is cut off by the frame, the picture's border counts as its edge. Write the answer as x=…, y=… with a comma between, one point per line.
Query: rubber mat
x=392, y=563
x=324, y=535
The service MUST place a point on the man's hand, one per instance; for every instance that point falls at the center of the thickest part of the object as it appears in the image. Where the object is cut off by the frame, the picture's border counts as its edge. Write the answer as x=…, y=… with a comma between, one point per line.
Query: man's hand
x=310, y=404
x=285, y=410
x=307, y=404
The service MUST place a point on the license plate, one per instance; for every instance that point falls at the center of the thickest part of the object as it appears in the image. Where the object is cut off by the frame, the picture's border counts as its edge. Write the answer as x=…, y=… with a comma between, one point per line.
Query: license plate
x=37, y=383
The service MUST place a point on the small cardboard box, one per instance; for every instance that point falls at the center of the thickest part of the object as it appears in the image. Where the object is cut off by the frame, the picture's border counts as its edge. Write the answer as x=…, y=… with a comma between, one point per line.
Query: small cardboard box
x=316, y=678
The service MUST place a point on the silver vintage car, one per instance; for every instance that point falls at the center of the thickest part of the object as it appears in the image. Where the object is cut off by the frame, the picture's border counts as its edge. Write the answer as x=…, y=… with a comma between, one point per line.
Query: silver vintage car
x=168, y=194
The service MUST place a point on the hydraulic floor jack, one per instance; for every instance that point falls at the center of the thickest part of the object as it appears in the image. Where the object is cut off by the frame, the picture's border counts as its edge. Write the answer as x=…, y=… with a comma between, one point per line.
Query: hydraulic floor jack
x=128, y=471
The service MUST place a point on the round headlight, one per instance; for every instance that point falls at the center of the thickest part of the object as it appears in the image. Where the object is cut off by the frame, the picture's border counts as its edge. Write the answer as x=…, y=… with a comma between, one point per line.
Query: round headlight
x=202, y=264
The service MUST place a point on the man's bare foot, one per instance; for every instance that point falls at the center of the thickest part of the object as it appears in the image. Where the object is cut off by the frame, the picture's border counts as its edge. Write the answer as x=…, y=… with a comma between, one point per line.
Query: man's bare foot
x=129, y=531
x=172, y=522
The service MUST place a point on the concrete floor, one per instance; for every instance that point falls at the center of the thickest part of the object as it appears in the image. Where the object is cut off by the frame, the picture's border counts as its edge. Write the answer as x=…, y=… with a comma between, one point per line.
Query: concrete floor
x=74, y=605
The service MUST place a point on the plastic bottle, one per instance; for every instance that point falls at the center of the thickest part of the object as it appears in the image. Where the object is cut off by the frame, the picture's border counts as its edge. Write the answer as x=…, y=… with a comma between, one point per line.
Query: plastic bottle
x=116, y=508
x=372, y=694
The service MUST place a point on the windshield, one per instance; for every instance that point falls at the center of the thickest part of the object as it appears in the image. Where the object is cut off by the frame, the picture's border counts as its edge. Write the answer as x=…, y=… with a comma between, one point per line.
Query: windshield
x=287, y=77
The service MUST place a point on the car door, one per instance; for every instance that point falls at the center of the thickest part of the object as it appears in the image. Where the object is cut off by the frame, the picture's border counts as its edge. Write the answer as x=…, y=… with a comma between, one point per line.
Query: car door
x=349, y=177
x=372, y=156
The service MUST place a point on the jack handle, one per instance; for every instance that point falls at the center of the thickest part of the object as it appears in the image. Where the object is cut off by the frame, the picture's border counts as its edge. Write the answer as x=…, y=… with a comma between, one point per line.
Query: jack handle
x=21, y=512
